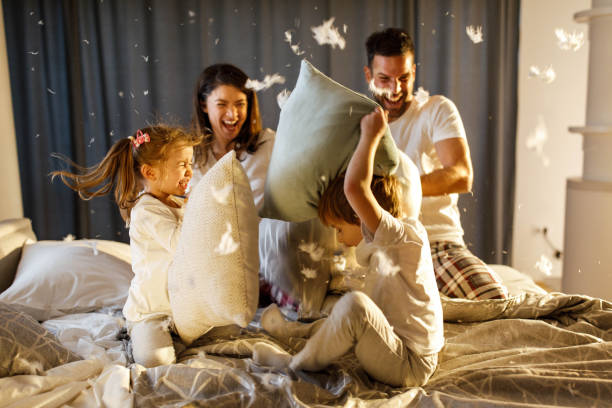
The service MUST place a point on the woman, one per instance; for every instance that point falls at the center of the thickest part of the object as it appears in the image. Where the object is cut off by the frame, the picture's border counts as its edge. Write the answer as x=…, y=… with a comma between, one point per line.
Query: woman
x=226, y=113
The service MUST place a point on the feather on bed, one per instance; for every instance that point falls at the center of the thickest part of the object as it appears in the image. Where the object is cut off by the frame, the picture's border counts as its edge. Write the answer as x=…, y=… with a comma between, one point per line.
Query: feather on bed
x=533, y=349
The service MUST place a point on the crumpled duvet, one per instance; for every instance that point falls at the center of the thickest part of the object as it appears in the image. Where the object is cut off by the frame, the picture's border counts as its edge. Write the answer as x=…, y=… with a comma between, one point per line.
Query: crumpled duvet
x=529, y=350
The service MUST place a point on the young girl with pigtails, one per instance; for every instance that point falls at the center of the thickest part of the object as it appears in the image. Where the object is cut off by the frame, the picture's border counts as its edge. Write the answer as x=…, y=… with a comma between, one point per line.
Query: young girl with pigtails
x=149, y=172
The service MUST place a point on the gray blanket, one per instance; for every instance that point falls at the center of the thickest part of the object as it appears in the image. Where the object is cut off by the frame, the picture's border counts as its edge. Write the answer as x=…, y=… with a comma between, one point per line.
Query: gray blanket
x=529, y=350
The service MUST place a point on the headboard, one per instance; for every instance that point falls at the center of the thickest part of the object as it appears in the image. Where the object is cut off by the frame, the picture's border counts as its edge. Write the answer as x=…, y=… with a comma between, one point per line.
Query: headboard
x=14, y=233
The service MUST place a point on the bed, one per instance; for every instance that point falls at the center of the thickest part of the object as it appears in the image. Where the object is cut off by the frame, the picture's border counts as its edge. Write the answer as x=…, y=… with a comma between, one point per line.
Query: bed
x=63, y=343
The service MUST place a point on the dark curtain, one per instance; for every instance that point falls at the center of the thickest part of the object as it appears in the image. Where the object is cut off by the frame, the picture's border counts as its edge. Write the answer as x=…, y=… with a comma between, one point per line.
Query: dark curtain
x=85, y=73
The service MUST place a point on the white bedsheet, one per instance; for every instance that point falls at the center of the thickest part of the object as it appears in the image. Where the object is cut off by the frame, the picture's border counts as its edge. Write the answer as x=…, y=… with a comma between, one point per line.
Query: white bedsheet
x=100, y=380
x=91, y=335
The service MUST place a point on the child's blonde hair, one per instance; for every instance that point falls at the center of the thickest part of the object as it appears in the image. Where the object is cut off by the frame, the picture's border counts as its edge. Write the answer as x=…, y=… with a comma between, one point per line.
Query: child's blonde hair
x=120, y=168
x=334, y=205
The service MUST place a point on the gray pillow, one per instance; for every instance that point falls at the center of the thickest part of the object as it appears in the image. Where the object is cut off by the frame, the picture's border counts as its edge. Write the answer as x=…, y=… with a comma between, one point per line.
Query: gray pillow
x=317, y=133
x=26, y=347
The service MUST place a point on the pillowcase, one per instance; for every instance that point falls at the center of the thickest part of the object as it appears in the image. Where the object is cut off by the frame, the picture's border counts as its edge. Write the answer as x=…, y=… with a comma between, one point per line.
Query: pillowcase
x=213, y=280
x=296, y=260
x=26, y=347
x=317, y=133
x=55, y=278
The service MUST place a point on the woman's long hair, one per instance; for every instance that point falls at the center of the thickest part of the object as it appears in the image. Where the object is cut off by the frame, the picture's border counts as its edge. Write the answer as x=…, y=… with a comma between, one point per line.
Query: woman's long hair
x=212, y=77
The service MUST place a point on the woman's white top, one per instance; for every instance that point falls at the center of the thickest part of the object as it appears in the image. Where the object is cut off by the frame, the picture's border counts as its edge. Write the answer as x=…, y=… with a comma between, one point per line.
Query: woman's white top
x=255, y=165
x=154, y=232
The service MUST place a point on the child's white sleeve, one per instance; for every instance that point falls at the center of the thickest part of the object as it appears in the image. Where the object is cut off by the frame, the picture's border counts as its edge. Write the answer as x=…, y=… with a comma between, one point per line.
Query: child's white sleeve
x=159, y=222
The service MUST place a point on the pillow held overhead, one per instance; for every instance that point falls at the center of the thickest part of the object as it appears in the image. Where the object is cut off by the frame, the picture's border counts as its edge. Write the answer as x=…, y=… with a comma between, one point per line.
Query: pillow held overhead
x=317, y=133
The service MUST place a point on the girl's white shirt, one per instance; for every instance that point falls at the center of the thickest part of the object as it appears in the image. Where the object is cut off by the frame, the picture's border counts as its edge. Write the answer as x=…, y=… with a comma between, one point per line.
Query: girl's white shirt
x=154, y=232
x=255, y=166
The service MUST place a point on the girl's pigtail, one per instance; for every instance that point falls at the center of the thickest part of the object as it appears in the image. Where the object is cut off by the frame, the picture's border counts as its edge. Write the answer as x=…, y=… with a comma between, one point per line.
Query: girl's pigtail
x=117, y=169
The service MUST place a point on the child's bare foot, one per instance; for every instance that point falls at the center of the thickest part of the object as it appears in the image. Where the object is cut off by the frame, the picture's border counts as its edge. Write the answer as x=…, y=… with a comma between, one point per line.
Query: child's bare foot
x=271, y=356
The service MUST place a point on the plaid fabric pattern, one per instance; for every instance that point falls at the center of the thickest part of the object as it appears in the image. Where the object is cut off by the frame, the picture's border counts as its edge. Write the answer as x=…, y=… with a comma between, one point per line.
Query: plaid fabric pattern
x=270, y=293
x=460, y=274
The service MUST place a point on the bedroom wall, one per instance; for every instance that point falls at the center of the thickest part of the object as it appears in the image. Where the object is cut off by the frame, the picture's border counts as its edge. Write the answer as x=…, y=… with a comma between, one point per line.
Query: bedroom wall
x=547, y=109
x=10, y=204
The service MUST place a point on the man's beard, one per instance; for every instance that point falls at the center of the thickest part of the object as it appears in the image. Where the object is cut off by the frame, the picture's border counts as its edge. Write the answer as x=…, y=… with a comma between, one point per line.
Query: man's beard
x=395, y=109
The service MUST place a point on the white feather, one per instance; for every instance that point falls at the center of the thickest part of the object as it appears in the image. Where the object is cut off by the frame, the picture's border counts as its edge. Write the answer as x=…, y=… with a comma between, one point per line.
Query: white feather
x=313, y=249
x=227, y=245
x=294, y=47
x=385, y=265
x=267, y=82
x=569, y=41
x=475, y=33
x=309, y=273
x=221, y=195
x=544, y=265
x=326, y=33
x=421, y=95
x=381, y=92
x=282, y=97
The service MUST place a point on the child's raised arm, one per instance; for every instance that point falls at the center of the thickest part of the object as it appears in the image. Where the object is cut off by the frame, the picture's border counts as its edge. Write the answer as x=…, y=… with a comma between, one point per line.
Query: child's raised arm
x=361, y=168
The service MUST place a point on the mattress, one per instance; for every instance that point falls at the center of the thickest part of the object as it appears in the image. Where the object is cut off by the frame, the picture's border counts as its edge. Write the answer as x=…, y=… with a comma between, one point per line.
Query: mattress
x=533, y=349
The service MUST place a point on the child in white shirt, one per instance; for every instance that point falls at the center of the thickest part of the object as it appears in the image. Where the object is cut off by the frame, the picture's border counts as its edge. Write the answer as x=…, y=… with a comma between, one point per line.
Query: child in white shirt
x=396, y=326
x=150, y=172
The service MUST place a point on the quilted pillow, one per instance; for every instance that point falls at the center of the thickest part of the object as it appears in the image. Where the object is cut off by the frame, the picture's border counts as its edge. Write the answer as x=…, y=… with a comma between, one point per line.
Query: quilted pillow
x=317, y=133
x=214, y=278
x=55, y=278
x=26, y=347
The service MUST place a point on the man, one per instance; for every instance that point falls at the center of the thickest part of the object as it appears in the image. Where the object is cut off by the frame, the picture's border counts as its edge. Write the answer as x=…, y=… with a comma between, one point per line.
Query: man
x=430, y=131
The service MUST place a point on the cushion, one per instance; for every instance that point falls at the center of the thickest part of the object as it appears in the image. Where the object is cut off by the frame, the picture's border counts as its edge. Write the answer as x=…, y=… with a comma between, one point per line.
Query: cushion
x=317, y=133
x=14, y=233
x=26, y=347
x=296, y=260
x=55, y=278
x=214, y=278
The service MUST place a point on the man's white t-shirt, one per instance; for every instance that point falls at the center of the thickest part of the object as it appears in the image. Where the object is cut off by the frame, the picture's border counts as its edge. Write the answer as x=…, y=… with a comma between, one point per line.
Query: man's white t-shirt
x=255, y=166
x=415, y=133
x=401, y=281
x=154, y=232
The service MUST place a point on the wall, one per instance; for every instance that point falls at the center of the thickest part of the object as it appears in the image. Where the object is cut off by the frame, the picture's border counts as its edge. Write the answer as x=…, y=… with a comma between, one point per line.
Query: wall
x=552, y=108
x=10, y=188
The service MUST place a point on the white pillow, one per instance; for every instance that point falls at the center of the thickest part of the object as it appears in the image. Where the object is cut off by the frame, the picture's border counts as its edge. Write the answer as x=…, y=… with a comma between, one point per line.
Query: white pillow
x=214, y=278
x=55, y=278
